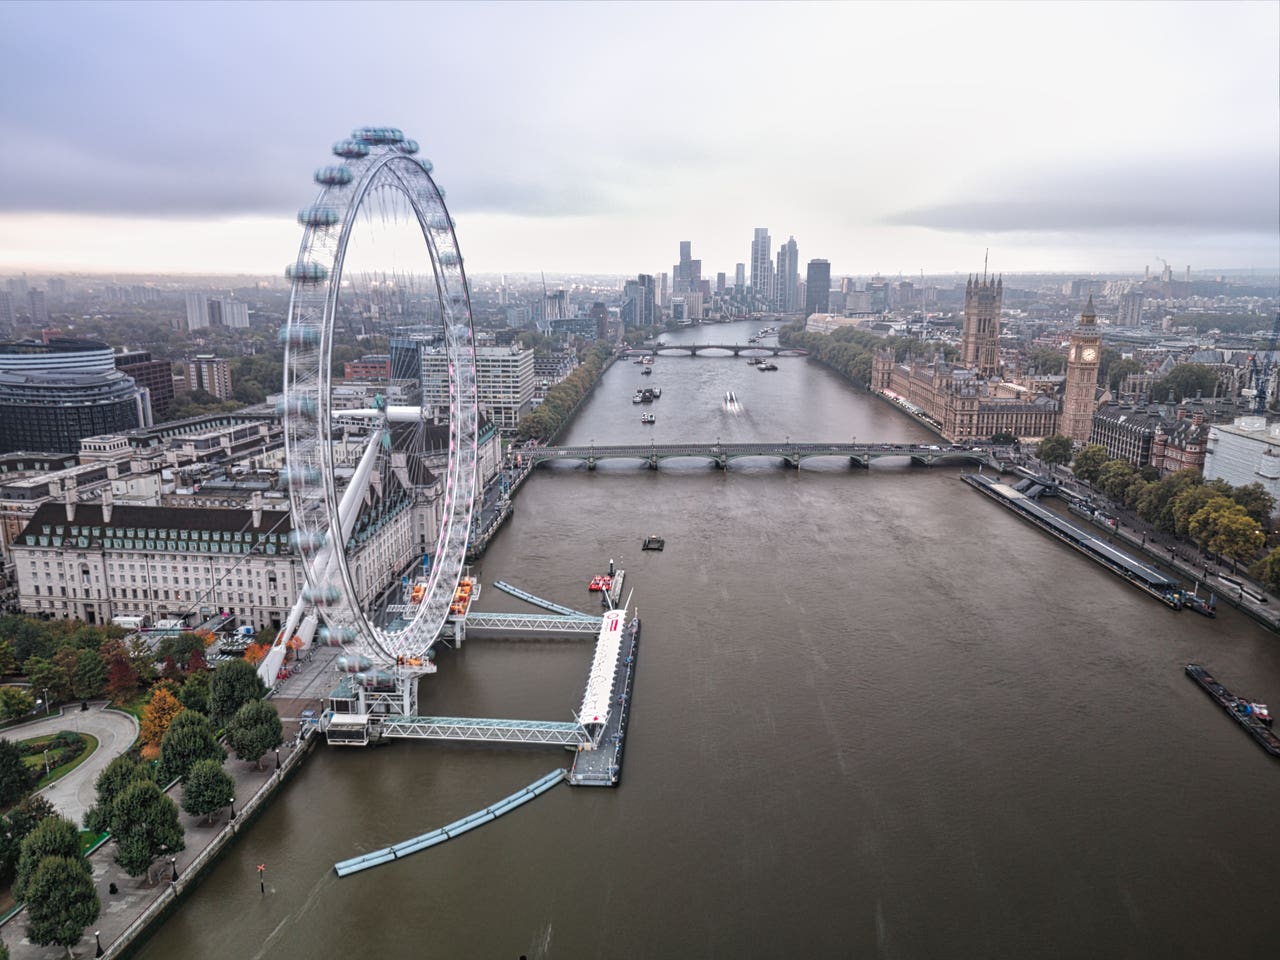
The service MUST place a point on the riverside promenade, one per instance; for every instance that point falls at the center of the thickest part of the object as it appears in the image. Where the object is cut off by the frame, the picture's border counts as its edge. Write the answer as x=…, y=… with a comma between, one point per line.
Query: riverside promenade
x=129, y=911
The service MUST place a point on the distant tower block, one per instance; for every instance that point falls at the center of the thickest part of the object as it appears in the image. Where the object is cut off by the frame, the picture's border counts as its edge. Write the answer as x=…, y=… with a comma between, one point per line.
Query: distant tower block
x=980, y=333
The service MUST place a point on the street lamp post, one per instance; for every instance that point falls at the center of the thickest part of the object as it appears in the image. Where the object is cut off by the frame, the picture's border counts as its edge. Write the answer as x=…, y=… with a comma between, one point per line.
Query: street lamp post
x=173, y=865
x=46, y=701
x=97, y=936
x=46, y=762
x=277, y=758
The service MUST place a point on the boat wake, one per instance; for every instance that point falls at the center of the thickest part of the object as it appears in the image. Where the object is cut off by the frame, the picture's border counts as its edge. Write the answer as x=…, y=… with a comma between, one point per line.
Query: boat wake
x=732, y=404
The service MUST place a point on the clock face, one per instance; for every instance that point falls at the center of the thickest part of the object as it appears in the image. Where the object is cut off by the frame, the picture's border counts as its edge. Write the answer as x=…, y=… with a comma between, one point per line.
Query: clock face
x=1088, y=354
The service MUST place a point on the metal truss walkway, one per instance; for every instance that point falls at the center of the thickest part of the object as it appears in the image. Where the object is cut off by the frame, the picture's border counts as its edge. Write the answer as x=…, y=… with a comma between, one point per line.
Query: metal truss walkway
x=539, y=602
x=483, y=729
x=578, y=626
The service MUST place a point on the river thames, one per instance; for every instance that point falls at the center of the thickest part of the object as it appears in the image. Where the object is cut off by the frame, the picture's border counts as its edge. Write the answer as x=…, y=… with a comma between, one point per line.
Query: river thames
x=875, y=715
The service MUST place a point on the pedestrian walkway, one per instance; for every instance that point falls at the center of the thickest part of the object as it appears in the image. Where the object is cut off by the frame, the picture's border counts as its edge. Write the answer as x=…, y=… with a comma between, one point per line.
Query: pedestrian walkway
x=137, y=902
x=115, y=731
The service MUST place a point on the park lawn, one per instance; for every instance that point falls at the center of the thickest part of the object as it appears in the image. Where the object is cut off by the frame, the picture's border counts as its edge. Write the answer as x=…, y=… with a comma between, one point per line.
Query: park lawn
x=56, y=773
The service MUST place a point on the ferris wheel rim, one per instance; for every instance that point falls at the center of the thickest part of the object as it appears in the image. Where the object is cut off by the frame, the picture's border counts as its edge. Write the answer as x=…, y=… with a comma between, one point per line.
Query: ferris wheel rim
x=339, y=205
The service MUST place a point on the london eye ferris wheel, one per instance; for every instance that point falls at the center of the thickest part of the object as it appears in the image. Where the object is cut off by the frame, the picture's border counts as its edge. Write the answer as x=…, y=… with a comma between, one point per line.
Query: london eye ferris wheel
x=366, y=485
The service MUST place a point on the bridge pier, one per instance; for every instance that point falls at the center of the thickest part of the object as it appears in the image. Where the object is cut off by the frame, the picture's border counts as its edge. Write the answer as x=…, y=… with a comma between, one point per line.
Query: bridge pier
x=722, y=462
x=792, y=461
x=653, y=462
x=863, y=462
x=591, y=463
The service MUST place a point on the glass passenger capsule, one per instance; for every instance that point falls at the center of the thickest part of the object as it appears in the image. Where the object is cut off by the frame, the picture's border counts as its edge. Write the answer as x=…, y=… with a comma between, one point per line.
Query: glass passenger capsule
x=296, y=336
x=308, y=540
x=299, y=476
x=351, y=149
x=427, y=165
x=408, y=146
x=321, y=596
x=378, y=136
x=318, y=217
x=296, y=406
x=450, y=258
x=306, y=272
x=335, y=636
x=333, y=176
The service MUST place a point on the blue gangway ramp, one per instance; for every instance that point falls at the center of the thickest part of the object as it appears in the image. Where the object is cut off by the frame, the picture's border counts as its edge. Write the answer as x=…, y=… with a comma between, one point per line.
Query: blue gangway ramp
x=540, y=602
x=449, y=831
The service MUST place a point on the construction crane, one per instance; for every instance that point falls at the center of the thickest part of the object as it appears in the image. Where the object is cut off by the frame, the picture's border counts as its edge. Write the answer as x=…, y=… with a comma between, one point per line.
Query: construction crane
x=1261, y=373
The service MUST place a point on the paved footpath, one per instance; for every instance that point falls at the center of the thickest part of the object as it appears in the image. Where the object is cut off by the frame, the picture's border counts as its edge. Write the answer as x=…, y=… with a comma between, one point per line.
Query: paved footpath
x=123, y=911
x=74, y=794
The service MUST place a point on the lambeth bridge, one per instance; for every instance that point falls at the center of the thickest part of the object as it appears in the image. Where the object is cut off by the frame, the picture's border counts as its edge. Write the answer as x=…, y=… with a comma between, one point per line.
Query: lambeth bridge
x=728, y=349
x=788, y=453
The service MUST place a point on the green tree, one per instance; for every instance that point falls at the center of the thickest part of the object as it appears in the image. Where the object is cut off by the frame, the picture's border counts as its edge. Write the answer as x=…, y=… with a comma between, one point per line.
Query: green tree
x=234, y=684
x=16, y=778
x=1257, y=503
x=44, y=675
x=188, y=740
x=1112, y=374
x=1188, y=503
x=144, y=824
x=254, y=730
x=1114, y=478
x=1089, y=461
x=180, y=647
x=194, y=693
x=52, y=837
x=1054, y=449
x=1003, y=439
x=1267, y=571
x=1223, y=527
x=8, y=659
x=15, y=828
x=91, y=675
x=15, y=702
x=61, y=903
x=208, y=788
x=1185, y=381
x=118, y=775
x=1155, y=505
x=1047, y=362
x=65, y=662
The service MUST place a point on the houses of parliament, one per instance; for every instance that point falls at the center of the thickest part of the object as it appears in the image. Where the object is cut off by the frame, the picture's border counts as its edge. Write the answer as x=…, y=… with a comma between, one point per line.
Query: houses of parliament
x=971, y=400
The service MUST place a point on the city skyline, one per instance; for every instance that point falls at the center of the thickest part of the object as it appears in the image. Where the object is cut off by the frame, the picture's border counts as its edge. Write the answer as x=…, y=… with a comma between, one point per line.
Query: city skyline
x=953, y=129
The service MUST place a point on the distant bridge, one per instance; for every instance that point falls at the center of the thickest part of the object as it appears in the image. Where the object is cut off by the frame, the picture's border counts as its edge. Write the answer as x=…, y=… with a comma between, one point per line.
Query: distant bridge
x=790, y=453
x=733, y=349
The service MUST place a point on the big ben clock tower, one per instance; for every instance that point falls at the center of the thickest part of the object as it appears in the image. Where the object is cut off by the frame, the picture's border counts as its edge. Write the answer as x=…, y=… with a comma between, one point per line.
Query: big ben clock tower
x=1082, y=377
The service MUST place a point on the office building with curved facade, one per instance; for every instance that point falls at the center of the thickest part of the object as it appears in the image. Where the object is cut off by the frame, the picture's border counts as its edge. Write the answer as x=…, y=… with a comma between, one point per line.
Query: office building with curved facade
x=52, y=412
x=53, y=394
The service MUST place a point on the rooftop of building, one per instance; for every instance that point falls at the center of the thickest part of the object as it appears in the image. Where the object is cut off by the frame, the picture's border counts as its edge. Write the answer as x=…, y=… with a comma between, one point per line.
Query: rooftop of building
x=52, y=345
x=156, y=523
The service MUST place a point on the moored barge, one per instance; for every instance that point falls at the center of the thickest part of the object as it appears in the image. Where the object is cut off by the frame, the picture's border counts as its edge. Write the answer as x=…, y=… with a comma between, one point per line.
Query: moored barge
x=1146, y=578
x=1246, y=713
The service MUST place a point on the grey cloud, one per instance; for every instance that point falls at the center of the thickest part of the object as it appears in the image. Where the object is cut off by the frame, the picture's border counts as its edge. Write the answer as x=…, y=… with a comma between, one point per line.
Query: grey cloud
x=1240, y=197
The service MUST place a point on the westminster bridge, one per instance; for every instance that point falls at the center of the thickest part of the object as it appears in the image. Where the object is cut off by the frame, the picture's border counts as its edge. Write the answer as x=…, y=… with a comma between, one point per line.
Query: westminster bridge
x=720, y=349
x=788, y=452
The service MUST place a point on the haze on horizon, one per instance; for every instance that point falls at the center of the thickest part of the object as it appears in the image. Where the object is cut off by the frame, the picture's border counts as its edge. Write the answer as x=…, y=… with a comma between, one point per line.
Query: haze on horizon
x=592, y=138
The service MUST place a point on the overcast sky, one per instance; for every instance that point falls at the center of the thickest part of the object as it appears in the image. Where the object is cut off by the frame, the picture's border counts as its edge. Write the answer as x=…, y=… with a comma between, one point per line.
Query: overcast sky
x=594, y=137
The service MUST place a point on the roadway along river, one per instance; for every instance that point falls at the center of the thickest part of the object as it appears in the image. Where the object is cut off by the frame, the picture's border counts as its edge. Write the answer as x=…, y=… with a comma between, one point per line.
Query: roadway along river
x=875, y=715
